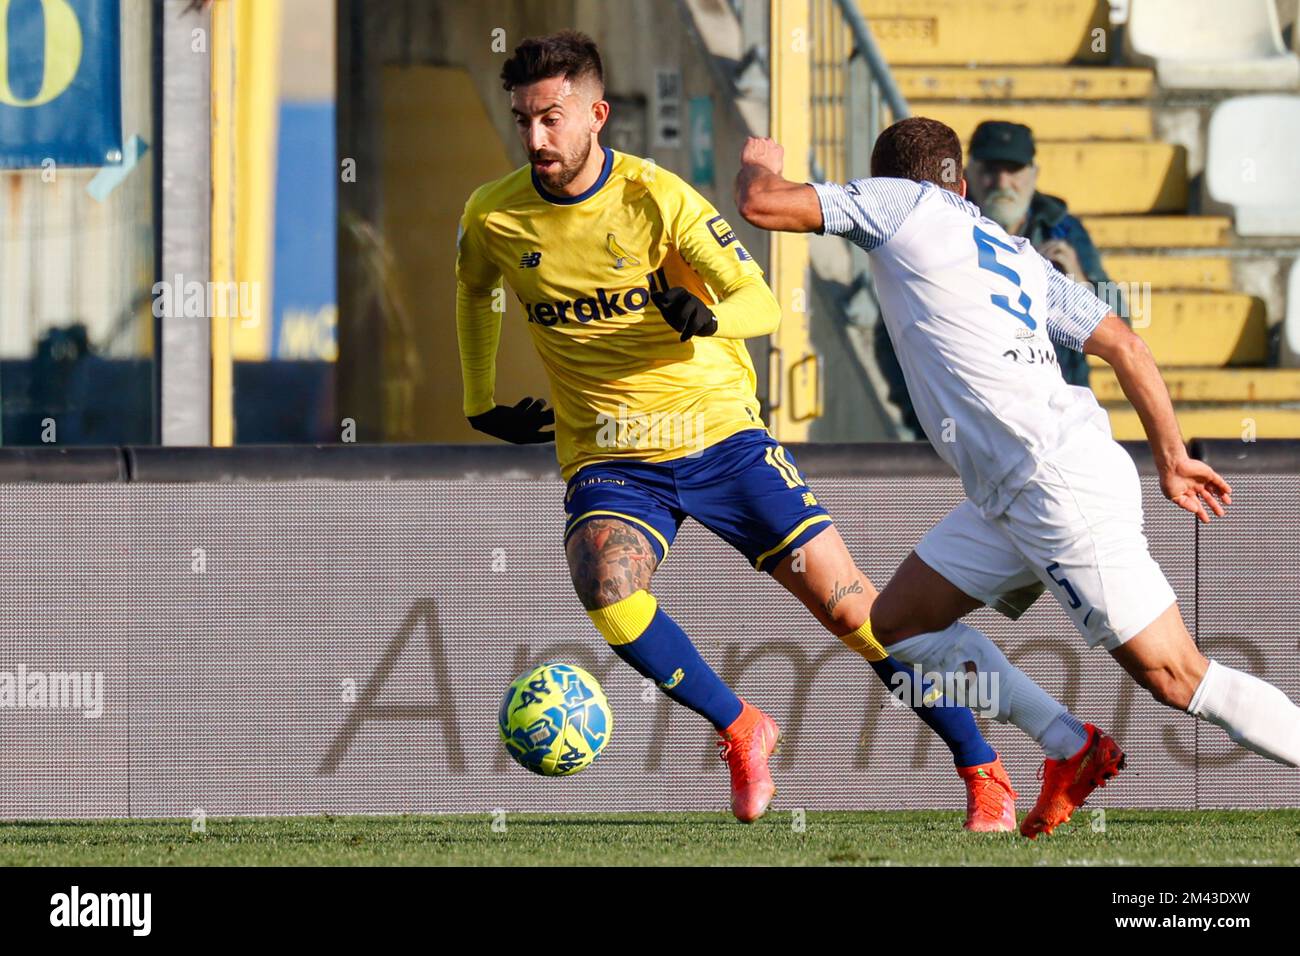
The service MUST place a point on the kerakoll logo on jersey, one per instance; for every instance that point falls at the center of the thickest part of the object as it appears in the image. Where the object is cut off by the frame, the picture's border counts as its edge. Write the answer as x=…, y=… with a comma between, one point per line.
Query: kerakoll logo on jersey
x=604, y=305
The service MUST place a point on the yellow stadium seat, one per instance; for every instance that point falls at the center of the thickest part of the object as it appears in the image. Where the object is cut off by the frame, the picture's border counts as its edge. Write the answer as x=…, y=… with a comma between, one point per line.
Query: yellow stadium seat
x=1201, y=273
x=1153, y=232
x=1228, y=385
x=988, y=31
x=1048, y=121
x=1208, y=329
x=1023, y=83
x=1240, y=421
x=1114, y=177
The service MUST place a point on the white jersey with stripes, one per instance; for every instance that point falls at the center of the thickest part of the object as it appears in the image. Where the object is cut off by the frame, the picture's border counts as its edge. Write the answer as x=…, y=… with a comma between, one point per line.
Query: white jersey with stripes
x=973, y=313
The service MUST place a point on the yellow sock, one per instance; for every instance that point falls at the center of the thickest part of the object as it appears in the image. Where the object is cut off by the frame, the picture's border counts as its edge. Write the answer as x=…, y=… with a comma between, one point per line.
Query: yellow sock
x=624, y=621
x=865, y=643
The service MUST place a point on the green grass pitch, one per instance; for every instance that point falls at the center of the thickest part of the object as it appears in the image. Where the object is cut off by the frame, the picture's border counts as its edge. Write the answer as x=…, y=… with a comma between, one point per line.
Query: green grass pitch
x=897, y=838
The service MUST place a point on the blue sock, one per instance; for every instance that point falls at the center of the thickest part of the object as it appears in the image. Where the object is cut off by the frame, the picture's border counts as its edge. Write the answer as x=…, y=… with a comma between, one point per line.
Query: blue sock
x=666, y=655
x=956, y=725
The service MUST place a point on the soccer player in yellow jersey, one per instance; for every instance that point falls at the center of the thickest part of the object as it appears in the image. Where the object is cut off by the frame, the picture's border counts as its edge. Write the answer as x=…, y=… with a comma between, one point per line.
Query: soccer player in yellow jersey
x=639, y=297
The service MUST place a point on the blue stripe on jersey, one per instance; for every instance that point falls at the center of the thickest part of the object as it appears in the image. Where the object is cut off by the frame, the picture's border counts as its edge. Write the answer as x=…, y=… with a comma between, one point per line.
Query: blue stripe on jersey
x=1073, y=311
x=867, y=212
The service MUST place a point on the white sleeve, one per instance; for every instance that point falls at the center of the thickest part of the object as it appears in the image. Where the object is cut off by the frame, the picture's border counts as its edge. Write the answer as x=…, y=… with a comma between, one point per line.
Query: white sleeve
x=867, y=212
x=1073, y=311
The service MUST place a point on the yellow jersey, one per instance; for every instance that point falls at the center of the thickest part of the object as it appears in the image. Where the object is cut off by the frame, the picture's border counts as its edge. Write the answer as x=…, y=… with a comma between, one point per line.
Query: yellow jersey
x=623, y=385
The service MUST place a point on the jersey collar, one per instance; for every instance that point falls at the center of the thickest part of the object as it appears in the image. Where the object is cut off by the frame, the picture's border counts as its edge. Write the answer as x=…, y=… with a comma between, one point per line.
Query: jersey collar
x=586, y=193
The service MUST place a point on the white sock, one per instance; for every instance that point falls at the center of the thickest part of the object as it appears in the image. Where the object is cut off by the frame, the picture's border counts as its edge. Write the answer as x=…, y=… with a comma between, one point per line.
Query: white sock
x=1064, y=738
x=1020, y=701
x=1254, y=713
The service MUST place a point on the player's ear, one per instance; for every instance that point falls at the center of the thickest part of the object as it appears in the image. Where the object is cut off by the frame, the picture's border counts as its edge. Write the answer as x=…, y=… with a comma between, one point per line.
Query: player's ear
x=599, y=115
x=963, y=187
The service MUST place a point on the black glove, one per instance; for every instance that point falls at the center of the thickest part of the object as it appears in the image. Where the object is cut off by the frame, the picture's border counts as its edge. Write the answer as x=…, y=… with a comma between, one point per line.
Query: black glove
x=685, y=312
x=520, y=424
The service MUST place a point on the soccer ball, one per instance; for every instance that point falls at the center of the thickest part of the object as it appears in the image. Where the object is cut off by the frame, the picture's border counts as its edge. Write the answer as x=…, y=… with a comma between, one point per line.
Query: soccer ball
x=555, y=719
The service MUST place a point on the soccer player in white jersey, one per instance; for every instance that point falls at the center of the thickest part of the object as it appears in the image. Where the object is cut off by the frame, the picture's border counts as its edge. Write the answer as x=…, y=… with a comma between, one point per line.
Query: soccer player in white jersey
x=1051, y=497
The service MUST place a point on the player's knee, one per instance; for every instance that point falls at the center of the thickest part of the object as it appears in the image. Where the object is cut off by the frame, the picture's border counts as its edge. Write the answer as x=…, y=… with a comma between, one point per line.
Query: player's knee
x=848, y=616
x=1169, y=686
x=623, y=621
x=890, y=627
x=600, y=586
x=609, y=561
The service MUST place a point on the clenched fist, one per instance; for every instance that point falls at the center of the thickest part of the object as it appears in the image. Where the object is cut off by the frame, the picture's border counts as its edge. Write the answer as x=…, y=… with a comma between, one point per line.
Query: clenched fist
x=764, y=152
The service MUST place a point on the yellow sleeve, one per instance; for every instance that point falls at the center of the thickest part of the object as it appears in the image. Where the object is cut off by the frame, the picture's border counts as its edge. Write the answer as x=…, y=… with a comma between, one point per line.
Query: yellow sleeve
x=749, y=310
x=478, y=325
x=746, y=307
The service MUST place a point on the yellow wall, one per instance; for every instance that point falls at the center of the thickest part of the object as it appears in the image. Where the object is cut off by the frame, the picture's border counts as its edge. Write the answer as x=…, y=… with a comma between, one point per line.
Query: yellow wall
x=439, y=145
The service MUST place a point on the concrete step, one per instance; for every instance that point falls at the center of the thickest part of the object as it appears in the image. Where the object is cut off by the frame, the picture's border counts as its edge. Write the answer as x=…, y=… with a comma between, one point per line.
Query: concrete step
x=1200, y=273
x=1226, y=385
x=1154, y=232
x=994, y=83
x=1243, y=422
x=1049, y=121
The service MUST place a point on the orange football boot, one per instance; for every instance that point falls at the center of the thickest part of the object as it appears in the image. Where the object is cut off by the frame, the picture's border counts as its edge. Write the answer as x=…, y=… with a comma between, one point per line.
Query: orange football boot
x=990, y=800
x=745, y=747
x=1067, y=783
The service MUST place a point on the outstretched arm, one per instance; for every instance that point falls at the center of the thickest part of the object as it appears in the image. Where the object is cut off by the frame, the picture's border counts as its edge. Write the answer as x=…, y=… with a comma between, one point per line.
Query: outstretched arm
x=767, y=199
x=1188, y=483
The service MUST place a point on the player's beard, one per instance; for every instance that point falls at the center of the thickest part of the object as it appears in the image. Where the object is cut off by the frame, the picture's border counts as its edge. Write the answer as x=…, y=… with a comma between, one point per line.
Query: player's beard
x=1006, y=207
x=570, y=166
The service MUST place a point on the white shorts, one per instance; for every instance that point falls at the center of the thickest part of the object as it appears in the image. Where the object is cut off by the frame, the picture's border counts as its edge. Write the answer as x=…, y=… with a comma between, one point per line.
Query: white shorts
x=1076, y=527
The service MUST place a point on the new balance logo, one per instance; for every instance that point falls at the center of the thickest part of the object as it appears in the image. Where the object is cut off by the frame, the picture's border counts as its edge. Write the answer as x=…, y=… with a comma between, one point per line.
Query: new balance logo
x=673, y=681
x=530, y=260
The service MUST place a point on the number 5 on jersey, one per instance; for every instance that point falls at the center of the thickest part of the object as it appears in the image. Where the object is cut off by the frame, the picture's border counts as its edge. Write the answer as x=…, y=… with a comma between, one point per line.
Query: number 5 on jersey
x=989, y=260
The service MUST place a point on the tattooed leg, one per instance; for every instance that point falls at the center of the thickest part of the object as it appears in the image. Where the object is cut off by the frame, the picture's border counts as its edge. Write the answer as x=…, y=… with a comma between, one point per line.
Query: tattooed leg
x=612, y=564
x=609, y=560
x=825, y=578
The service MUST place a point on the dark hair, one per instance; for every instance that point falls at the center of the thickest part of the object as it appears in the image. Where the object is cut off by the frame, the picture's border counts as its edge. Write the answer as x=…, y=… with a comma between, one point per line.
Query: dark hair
x=920, y=149
x=568, y=53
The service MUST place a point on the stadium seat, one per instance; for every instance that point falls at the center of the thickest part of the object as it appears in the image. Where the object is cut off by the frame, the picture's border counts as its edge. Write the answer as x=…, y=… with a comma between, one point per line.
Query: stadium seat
x=1023, y=83
x=1215, y=422
x=1200, y=273
x=961, y=32
x=1228, y=385
x=1207, y=329
x=1251, y=163
x=1114, y=177
x=1291, y=322
x=1053, y=121
x=1158, y=232
x=1211, y=45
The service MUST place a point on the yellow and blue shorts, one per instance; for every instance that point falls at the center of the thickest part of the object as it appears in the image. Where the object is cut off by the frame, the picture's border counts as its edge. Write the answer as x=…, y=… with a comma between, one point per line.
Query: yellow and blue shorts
x=746, y=489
